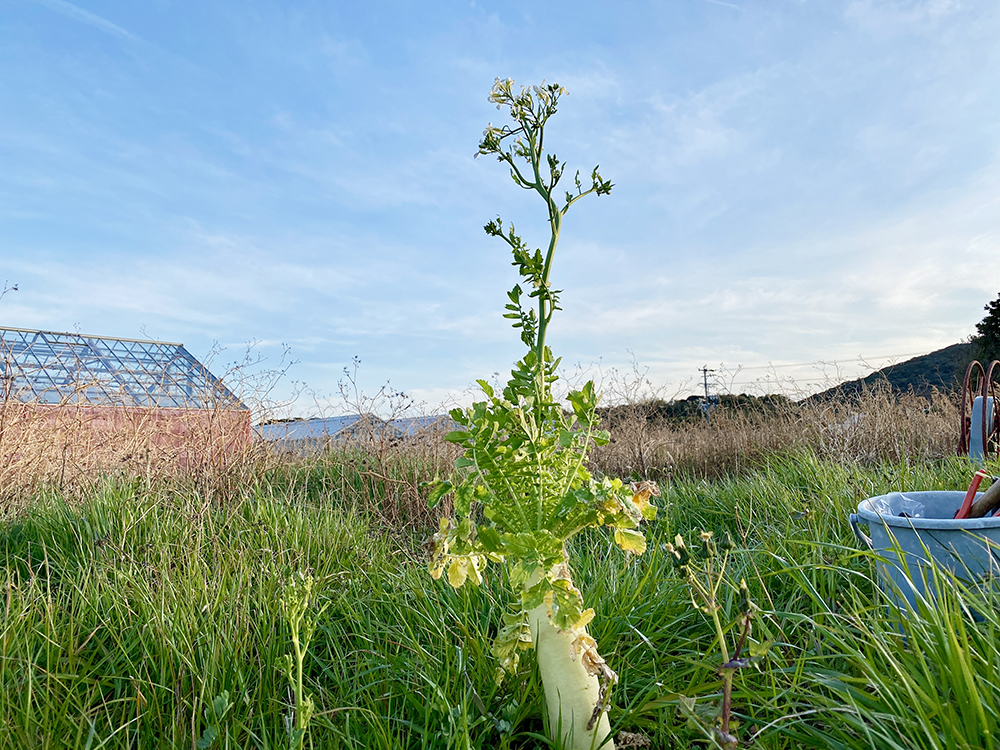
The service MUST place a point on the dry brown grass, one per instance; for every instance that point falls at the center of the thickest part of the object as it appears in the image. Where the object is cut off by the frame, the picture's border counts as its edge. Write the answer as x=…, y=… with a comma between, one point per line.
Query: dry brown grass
x=370, y=466
x=73, y=445
x=70, y=446
x=70, y=450
x=876, y=426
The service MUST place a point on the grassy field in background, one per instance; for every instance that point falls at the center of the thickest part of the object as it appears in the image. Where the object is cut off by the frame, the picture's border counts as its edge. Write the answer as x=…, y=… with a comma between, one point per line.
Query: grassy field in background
x=129, y=610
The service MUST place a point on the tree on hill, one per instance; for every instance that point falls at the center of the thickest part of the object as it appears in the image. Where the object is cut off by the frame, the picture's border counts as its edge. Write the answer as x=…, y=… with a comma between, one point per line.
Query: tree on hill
x=987, y=341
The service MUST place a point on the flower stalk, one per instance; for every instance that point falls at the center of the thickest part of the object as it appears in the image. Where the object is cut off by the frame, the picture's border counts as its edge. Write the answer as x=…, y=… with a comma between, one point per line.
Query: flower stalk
x=297, y=602
x=704, y=572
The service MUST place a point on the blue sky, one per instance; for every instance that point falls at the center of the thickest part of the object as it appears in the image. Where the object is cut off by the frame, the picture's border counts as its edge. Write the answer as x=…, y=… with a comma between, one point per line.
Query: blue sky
x=795, y=182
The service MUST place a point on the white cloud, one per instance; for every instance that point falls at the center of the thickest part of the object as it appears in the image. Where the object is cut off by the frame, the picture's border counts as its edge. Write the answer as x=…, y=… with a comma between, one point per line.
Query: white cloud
x=720, y=2
x=888, y=17
x=909, y=281
x=85, y=16
x=695, y=128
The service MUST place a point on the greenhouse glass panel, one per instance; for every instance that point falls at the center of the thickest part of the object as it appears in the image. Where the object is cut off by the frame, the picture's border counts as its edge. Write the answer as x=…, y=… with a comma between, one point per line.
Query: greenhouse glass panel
x=69, y=368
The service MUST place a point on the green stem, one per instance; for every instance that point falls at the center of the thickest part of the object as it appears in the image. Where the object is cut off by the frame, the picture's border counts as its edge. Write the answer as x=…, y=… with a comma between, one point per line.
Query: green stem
x=580, y=458
x=540, y=474
x=544, y=316
x=718, y=631
x=555, y=221
x=727, y=700
x=727, y=674
x=297, y=687
x=510, y=489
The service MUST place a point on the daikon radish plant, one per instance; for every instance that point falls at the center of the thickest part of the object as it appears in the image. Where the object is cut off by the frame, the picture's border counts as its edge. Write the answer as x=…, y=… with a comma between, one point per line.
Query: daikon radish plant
x=522, y=490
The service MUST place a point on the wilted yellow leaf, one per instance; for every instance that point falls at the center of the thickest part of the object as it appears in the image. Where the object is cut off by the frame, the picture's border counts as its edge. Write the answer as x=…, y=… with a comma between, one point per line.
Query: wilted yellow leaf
x=437, y=567
x=457, y=572
x=585, y=617
x=581, y=644
x=476, y=564
x=630, y=541
x=641, y=494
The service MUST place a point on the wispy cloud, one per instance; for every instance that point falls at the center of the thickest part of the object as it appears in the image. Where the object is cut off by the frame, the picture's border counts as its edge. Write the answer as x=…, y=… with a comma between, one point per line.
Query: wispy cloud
x=687, y=131
x=85, y=16
x=888, y=17
x=720, y=2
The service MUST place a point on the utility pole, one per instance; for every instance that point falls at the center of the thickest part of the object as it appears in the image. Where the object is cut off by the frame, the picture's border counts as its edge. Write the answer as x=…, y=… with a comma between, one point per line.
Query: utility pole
x=706, y=404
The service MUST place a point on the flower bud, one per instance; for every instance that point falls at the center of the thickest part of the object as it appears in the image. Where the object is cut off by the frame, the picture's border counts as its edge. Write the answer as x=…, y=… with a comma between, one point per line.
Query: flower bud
x=708, y=546
x=680, y=552
x=727, y=544
x=746, y=605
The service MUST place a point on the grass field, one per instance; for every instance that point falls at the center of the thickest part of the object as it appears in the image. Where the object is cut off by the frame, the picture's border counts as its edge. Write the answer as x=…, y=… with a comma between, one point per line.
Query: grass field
x=132, y=609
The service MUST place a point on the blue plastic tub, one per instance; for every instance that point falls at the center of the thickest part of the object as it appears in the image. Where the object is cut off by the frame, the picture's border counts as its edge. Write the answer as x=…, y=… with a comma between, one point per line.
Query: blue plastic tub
x=969, y=548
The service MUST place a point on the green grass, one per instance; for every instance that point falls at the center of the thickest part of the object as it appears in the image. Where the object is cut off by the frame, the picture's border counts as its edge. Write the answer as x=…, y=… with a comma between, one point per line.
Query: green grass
x=125, y=615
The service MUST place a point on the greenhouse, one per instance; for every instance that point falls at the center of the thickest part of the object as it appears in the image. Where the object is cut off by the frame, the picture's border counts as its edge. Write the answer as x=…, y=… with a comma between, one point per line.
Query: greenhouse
x=313, y=435
x=99, y=401
x=58, y=368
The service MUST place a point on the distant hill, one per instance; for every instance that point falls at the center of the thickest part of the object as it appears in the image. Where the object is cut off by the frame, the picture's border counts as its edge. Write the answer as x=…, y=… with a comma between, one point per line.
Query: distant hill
x=943, y=369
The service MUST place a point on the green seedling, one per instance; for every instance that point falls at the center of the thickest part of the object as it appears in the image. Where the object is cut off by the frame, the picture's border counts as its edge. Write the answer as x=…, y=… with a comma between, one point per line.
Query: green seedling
x=214, y=715
x=297, y=604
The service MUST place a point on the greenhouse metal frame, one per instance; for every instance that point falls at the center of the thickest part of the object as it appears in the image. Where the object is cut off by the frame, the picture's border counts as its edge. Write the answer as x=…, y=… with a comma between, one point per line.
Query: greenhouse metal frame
x=47, y=367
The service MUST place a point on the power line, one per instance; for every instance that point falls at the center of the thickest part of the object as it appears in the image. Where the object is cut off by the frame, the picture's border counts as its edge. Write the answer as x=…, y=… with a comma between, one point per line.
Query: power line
x=817, y=379
x=859, y=358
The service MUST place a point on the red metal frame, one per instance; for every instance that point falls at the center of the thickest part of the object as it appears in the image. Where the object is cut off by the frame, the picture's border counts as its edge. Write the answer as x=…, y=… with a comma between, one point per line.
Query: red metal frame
x=991, y=432
x=985, y=382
